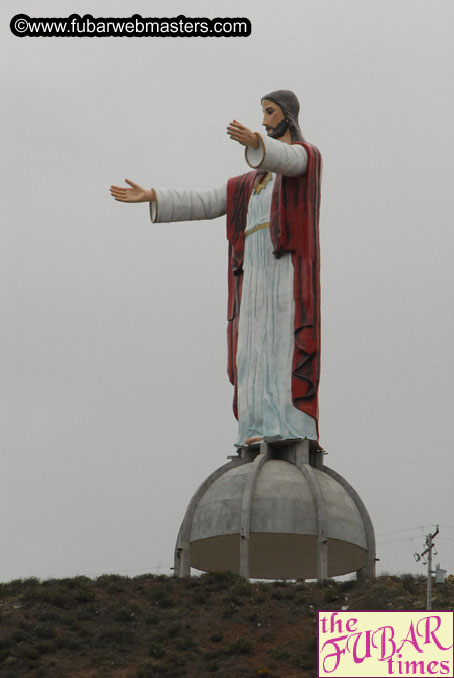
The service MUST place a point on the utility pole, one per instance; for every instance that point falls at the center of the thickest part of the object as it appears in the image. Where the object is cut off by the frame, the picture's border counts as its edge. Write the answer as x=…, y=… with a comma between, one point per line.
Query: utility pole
x=428, y=550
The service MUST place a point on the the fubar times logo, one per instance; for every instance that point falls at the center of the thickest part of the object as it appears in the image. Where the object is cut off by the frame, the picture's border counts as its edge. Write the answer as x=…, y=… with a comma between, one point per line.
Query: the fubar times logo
x=359, y=644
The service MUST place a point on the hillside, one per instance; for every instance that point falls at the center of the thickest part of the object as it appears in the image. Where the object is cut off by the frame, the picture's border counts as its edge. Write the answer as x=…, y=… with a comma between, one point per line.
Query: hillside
x=216, y=625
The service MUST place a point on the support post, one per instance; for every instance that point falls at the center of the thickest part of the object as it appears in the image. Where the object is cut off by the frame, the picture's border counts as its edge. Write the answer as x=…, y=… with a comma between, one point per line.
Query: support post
x=322, y=541
x=246, y=507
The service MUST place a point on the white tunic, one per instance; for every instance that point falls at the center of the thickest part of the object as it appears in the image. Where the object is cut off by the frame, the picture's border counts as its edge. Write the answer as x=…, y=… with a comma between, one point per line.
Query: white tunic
x=266, y=319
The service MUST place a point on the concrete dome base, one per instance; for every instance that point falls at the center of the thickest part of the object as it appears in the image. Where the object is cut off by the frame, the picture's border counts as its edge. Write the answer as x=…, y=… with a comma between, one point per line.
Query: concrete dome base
x=276, y=512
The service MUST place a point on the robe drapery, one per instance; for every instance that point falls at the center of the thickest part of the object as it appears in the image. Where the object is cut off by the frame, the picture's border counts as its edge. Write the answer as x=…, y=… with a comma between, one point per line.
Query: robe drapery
x=294, y=219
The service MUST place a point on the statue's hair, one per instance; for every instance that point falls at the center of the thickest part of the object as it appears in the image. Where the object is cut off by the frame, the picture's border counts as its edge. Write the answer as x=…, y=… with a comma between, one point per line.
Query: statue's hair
x=290, y=106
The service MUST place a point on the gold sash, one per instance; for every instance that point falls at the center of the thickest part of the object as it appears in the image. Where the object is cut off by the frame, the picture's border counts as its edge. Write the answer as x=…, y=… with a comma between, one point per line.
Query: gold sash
x=259, y=227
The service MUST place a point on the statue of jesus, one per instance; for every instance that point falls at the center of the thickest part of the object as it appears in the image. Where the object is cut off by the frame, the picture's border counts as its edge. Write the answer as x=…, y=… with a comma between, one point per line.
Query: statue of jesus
x=274, y=271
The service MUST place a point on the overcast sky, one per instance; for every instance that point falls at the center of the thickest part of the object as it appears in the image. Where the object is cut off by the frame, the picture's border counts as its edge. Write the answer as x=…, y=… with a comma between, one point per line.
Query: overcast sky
x=115, y=402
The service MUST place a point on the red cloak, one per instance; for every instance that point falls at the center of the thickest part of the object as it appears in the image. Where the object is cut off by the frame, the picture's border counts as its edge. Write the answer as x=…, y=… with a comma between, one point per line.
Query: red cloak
x=294, y=219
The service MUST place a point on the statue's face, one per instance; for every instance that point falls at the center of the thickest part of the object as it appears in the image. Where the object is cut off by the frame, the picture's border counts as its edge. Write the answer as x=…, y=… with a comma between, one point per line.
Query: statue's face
x=272, y=116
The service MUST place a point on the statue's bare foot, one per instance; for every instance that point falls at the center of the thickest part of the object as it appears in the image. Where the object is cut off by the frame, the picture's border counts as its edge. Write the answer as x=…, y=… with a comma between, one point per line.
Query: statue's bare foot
x=253, y=441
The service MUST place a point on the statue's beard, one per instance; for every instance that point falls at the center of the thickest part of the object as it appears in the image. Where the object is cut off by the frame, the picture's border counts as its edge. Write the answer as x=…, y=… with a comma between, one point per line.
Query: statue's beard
x=280, y=129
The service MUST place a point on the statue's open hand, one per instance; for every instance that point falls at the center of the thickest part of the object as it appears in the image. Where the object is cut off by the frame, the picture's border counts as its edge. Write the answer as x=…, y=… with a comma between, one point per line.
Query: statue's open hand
x=134, y=194
x=242, y=134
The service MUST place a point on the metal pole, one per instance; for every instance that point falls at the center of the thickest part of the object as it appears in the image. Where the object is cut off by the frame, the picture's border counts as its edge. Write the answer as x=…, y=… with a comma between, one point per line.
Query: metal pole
x=429, y=572
x=428, y=550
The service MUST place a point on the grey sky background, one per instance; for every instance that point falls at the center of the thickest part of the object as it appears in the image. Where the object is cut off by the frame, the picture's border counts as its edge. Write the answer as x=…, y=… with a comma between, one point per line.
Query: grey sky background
x=115, y=402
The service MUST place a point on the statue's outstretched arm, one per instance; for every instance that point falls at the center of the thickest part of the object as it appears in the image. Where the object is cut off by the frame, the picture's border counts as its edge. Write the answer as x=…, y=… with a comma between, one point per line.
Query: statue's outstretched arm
x=269, y=154
x=167, y=205
x=173, y=204
x=274, y=156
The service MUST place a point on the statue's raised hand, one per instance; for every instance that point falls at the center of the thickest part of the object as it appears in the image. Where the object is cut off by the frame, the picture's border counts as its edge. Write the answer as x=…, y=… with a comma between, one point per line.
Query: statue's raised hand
x=134, y=194
x=242, y=134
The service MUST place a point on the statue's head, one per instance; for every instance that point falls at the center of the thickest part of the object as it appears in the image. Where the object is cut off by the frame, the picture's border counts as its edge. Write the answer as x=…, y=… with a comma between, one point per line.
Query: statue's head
x=281, y=109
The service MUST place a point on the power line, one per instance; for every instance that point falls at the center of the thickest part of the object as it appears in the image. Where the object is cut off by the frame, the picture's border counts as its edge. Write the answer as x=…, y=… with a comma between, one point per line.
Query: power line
x=147, y=569
x=402, y=539
x=394, y=541
x=408, y=529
